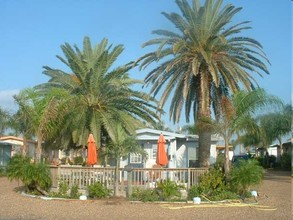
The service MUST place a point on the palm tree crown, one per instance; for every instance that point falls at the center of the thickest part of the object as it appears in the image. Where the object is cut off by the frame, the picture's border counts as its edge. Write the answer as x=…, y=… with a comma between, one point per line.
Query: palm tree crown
x=203, y=55
x=98, y=95
x=203, y=59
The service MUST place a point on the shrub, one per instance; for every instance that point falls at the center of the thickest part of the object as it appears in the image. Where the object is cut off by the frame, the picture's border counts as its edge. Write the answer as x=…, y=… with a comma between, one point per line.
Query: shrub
x=144, y=195
x=74, y=194
x=285, y=161
x=211, y=186
x=98, y=191
x=35, y=176
x=212, y=180
x=2, y=171
x=168, y=189
x=64, y=191
x=78, y=160
x=245, y=175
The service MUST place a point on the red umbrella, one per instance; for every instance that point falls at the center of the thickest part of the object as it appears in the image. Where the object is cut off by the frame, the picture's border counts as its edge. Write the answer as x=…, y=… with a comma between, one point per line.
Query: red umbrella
x=91, y=150
x=162, y=158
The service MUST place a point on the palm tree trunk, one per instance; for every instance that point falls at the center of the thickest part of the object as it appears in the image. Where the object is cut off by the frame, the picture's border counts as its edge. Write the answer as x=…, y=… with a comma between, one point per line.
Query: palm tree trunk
x=227, y=160
x=116, y=177
x=204, y=142
x=39, y=147
x=204, y=118
x=24, y=146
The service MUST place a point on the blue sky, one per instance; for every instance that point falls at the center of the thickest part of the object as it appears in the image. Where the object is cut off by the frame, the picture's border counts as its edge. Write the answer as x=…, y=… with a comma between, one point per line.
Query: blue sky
x=33, y=30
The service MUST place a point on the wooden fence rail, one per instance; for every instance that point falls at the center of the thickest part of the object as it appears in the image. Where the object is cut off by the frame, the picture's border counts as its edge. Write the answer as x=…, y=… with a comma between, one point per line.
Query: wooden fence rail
x=136, y=177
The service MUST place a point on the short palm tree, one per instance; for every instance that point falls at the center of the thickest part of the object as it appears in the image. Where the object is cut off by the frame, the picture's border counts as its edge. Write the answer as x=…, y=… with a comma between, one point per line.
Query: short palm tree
x=38, y=115
x=97, y=95
x=199, y=61
x=121, y=145
x=238, y=115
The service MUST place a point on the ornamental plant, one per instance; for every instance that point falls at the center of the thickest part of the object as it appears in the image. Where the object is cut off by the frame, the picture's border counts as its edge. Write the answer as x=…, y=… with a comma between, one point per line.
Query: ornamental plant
x=34, y=176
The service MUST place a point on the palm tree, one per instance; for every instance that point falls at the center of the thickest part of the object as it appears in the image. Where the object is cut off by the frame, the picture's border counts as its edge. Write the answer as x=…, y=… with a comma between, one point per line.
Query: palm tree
x=201, y=60
x=237, y=115
x=276, y=125
x=119, y=147
x=5, y=119
x=98, y=96
x=38, y=115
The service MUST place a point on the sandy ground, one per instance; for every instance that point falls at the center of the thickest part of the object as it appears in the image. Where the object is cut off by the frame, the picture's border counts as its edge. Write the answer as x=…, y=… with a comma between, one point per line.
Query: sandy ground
x=274, y=202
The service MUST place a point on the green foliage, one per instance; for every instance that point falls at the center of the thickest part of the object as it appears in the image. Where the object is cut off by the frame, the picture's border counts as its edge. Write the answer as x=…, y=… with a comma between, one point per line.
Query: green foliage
x=78, y=160
x=74, y=194
x=168, y=190
x=144, y=195
x=35, y=176
x=2, y=171
x=64, y=191
x=98, y=191
x=63, y=188
x=286, y=161
x=246, y=174
x=212, y=180
x=211, y=186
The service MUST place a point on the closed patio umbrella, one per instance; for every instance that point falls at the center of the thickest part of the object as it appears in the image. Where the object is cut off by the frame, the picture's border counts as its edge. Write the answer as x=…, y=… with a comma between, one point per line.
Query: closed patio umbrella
x=162, y=158
x=91, y=150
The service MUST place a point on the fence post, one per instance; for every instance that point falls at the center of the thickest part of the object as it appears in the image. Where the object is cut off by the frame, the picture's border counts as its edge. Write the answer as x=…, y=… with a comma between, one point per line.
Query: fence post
x=188, y=179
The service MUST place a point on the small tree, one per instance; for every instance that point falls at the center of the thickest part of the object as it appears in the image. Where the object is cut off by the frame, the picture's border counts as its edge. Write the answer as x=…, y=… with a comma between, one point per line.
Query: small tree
x=120, y=146
x=237, y=114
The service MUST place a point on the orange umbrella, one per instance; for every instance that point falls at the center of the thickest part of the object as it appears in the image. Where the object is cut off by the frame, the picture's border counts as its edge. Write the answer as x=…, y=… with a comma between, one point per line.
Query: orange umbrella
x=91, y=150
x=162, y=158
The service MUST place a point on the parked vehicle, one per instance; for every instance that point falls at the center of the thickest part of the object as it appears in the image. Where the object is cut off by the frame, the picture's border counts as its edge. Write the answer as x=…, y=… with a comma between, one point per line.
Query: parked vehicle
x=237, y=158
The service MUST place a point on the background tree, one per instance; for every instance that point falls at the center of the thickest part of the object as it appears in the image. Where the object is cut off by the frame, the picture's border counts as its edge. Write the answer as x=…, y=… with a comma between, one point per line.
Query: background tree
x=5, y=119
x=276, y=125
x=203, y=59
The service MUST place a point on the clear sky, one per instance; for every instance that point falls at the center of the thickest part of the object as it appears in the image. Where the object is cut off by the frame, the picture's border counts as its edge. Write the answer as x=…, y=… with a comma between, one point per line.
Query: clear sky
x=33, y=30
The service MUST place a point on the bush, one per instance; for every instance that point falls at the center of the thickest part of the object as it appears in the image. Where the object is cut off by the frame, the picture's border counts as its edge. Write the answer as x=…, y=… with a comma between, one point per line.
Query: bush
x=144, y=195
x=285, y=161
x=2, y=171
x=211, y=186
x=64, y=191
x=98, y=191
x=245, y=175
x=74, y=194
x=168, y=190
x=78, y=160
x=35, y=176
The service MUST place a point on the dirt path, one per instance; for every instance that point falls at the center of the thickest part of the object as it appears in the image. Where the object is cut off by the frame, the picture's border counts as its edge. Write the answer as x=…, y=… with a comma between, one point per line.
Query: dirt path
x=274, y=202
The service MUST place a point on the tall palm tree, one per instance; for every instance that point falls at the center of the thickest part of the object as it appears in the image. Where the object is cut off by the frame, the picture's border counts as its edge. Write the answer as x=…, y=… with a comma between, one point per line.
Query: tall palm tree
x=98, y=96
x=201, y=60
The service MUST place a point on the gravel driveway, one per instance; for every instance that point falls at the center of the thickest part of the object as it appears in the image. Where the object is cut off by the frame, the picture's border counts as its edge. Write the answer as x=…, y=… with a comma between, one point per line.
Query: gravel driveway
x=274, y=202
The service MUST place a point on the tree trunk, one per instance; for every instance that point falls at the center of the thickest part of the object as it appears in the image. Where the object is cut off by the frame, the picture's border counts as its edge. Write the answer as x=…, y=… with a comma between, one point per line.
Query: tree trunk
x=116, y=177
x=24, y=146
x=203, y=120
x=227, y=160
x=204, y=142
x=39, y=147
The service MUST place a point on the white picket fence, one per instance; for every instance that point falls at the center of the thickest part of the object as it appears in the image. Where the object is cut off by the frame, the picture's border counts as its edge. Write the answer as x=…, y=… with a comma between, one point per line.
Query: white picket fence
x=136, y=177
